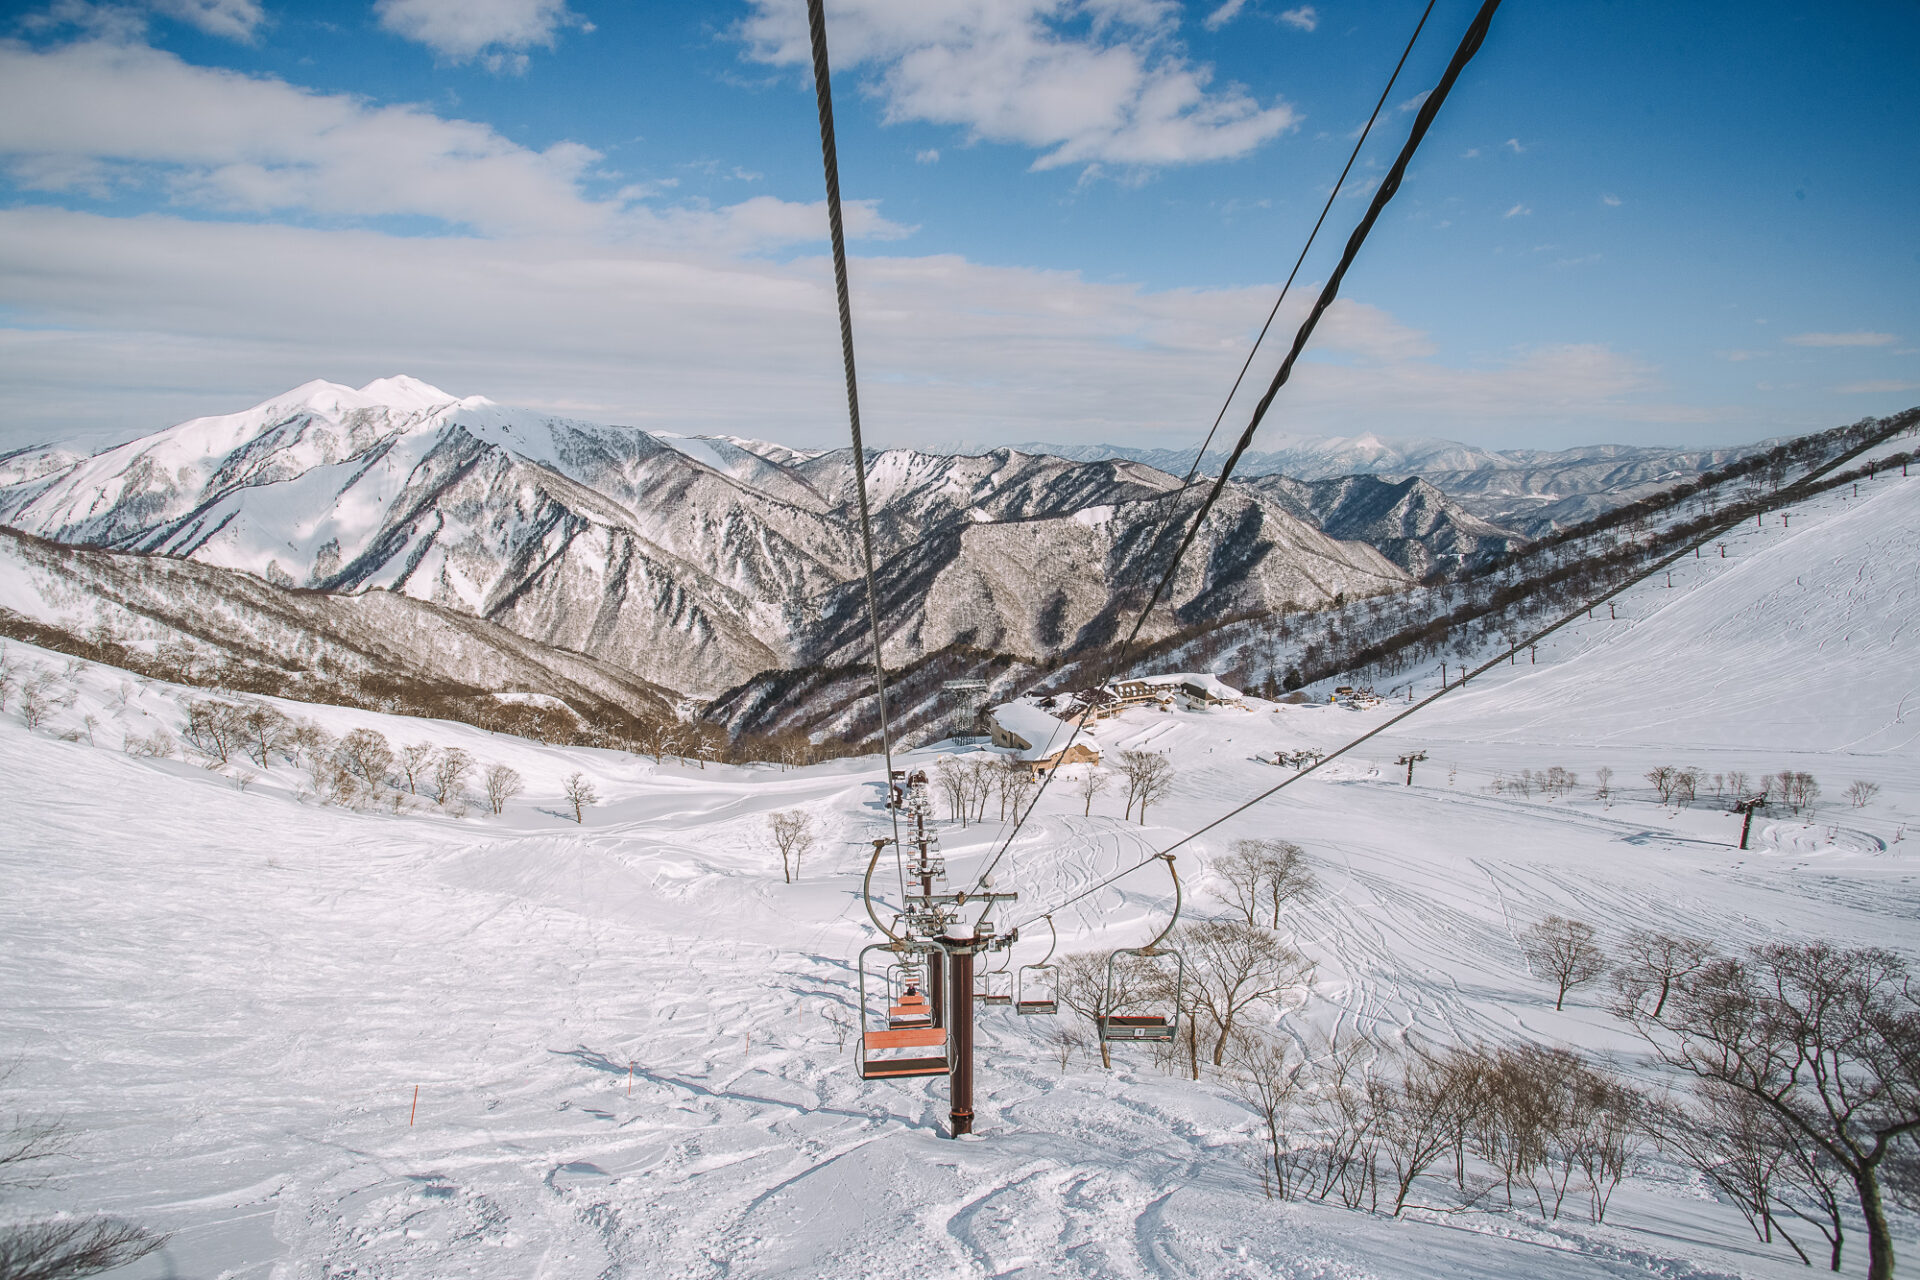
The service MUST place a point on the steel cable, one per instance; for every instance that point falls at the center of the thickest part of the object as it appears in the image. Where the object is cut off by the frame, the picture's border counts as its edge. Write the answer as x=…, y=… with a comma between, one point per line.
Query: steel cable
x=823, y=94
x=1784, y=497
x=1469, y=45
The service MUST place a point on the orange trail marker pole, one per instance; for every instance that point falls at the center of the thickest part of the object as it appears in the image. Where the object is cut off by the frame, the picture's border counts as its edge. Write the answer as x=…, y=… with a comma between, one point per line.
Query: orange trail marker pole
x=415, y=1109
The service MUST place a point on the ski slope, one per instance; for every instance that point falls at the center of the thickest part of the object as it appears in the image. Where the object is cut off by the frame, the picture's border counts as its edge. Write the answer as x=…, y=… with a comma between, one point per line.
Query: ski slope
x=619, y=1030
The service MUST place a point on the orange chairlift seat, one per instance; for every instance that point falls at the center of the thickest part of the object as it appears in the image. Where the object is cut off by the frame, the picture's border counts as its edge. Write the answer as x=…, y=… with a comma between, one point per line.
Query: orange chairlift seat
x=910, y=1008
x=995, y=985
x=889, y=1052
x=1037, y=990
x=1162, y=1022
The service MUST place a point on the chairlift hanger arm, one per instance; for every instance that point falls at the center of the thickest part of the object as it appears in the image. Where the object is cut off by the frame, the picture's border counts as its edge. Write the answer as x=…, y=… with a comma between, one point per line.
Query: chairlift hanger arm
x=866, y=890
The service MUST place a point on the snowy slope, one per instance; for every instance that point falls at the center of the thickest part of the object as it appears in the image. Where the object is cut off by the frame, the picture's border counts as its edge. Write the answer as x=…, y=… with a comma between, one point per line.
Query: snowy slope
x=232, y=995
x=1805, y=636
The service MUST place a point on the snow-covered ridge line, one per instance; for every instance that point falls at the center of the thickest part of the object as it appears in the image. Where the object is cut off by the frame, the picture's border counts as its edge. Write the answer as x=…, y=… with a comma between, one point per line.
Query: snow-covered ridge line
x=694, y=562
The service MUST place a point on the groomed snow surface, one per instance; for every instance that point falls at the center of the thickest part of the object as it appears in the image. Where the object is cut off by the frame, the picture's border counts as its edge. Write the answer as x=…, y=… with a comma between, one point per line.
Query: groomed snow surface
x=618, y=1030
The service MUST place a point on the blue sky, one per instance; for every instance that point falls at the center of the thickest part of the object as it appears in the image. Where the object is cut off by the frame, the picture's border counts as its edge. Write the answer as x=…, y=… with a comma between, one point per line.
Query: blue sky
x=1636, y=222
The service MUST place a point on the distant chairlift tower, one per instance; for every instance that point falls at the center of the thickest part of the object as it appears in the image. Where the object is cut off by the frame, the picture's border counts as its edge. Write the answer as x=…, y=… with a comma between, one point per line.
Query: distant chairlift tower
x=1411, y=759
x=970, y=699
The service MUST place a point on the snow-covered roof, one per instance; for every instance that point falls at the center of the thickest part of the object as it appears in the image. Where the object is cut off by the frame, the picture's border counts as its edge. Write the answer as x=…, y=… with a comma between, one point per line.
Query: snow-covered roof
x=1199, y=679
x=1213, y=684
x=1044, y=734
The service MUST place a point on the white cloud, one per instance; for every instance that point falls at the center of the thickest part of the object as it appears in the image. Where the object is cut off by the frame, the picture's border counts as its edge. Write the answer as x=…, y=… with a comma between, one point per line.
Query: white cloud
x=99, y=111
x=496, y=32
x=1224, y=14
x=1858, y=338
x=1514, y=143
x=1306, y=17
x=160, y=318
x=1612, y=202
x=1081, y=81
x=1518, y=211
x=930, y=156
x=94, y=115
x=1471, y=153
x=1413, y=103
x=231, y=19
x=1878, y=386
x=234, y=19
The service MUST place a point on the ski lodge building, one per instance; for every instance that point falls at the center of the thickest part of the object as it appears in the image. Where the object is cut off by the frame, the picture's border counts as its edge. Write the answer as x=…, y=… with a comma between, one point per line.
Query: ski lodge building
x=1039, y=740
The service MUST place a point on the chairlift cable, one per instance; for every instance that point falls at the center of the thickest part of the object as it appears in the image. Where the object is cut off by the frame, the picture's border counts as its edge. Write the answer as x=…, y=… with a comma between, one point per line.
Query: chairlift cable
x=1325, y=209
x=1783, y=497
x=823, y=94
x=1469, y=45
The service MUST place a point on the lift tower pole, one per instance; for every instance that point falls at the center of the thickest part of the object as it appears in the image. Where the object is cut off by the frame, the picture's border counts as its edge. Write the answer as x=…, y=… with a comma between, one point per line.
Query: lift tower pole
x=936, y=959
x=1745, y=809
x=1411, y=759
x=960, y=953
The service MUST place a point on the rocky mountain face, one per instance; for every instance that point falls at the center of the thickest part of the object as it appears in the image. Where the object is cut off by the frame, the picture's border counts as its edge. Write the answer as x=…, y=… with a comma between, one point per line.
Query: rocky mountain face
x=1527, y=491
x=1409, y=521
x=691, y=563
x=215, y=625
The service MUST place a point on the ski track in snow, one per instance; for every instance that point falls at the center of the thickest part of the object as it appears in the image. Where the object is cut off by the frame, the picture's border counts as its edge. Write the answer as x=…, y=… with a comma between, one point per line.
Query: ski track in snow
x=617, y=1029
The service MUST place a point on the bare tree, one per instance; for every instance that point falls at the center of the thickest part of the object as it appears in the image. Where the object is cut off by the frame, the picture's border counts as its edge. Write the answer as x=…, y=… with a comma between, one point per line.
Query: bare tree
x=503, y=784
x=1860, y=792
x=1797, y=789
x=1090, y=784
x=1065, y=1039
x=1565, y=951
x=450, y=773
x=1662, y=779
x=1265, y=1075
x=1825, y=1040
x=580, y=794
x=366, y=754
x=1263, y=876
x=1149, y=776
x=415, y=763
x=263, y=730
x=1736, y=785
x=1019, y=786
x=64, y=1247
x=1082, y=987
x=1604, y=791
x=1414, y=1118
x=791, y=832
x=979, y=775
x=215, y=729
x=951, y=777
x=1736, y=1144
x=1233, y=966
x=1653, y=962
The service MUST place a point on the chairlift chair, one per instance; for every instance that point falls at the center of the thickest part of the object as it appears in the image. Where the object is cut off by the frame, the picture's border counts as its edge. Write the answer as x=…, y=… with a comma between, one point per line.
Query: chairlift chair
x=1037, y=986
x=996, y=987
x=907, y=1003
x=887, y=1052
x=1147, y=1026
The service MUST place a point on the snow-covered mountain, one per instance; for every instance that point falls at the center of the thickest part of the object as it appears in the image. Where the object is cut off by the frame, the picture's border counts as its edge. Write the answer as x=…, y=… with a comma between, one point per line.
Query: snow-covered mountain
x=1412, y=523
x=693, y=562
x=1529, y=491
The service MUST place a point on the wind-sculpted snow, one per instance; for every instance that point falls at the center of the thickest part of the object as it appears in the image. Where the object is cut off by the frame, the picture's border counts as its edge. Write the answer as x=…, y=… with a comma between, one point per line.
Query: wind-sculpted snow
x=695, y=563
